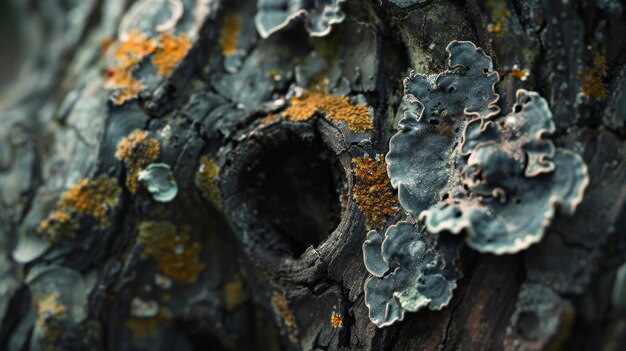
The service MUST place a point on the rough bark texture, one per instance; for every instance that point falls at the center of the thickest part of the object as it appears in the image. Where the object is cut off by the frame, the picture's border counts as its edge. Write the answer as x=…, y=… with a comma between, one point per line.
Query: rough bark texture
x=262, y=246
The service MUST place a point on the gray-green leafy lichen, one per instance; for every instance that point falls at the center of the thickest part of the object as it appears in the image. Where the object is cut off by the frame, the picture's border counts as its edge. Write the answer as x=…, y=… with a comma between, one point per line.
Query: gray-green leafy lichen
x=409, y=272
x=460, y=169
x=275, y=15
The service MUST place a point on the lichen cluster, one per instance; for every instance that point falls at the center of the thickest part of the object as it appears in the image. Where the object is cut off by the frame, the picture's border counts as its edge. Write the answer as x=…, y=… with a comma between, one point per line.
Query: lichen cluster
x=231, y=28
x=137, y=151
x=171, y=49
x=336, y=321
x=206, y=181
x=593, y=77
x=281, y=308
x=335, y=108
x=50, y=316
x=127, y=56
x=372, y=191
x=273, y=16
x=408, y=272
x=148, y=327
x=170, y=247
x=91, y=198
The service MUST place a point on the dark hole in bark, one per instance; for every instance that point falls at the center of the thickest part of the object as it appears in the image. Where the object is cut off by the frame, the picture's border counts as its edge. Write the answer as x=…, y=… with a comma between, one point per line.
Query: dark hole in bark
x=295, y=188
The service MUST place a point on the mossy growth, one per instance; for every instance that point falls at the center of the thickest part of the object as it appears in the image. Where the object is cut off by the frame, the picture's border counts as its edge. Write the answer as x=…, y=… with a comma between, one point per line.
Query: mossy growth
x=137, y=151
x=171, y=49
x=231, y=28
x=170, y=247
x=372, y=192
x=592, y=78
x=92, y=198
x=281, y=308
x=335, y=108
x=206, y=181
x=50, y=316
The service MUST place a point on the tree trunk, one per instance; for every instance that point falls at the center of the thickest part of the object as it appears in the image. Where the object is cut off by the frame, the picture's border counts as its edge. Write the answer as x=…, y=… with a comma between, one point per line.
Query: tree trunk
x=202, y=174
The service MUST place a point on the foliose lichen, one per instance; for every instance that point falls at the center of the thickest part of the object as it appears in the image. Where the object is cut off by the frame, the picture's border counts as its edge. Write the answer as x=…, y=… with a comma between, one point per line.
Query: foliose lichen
x=275, y=15
x=137, y=151
x=170, y=51
x=512, y=183
x=372, y=191
x=458, y=169
x=159, y=181
x=170, y=247
x=410, y=271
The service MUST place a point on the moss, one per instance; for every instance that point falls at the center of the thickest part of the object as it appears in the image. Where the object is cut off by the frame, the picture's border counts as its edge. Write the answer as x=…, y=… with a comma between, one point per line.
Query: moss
x=176, y=257
x=170, y=51
x=50, y=316
x=281, y=308
x=231, y=28
x=372, y=191
x=592, y=78
x=335, y=108
x=137, y=151
x=336, y=321
x=58, y=225
x=206, y=181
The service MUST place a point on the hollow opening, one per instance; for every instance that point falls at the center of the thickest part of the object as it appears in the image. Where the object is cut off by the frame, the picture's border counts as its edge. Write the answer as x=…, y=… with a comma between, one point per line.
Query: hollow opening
x=294, y=189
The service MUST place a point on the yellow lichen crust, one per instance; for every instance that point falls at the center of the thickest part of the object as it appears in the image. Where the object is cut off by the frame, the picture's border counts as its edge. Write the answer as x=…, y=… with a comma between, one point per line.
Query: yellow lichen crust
x=50, y=316
x=176, y=257
x=206, y=178
x=231, y=28
x=372, y=191
x=335, y=108
x=58, y=225
x=170, y=51
x=128, y=56
x=136, y=151
x=235, y=294
x=281, y=308
x=336, y=321
x=592, y=78
x=92, y=198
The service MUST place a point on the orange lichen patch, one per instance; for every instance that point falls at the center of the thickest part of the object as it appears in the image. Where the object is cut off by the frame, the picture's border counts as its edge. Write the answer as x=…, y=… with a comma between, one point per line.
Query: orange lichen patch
x=135, y=47
x=136, y=151
x=144, y=328
x=593, y=79
x=281, y=308
x=231, y=28
x=92, y=198
x=335, y=108
x=50, y=315
x=128, y=55
x=495, y=28
x=235, y=294
x=521, y=74
x=206, y=181
x=335, y=320
x=372, y=191
x=177, y=258
x=59, y=224
x=171, y=50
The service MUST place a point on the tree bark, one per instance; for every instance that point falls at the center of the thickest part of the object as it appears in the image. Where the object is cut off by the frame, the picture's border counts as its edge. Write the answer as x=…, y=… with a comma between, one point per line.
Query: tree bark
x=261, y=247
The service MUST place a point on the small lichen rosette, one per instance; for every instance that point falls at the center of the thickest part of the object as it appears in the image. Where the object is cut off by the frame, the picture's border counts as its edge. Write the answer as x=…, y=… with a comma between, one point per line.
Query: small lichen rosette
x=512, y=183
x=409, y=272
